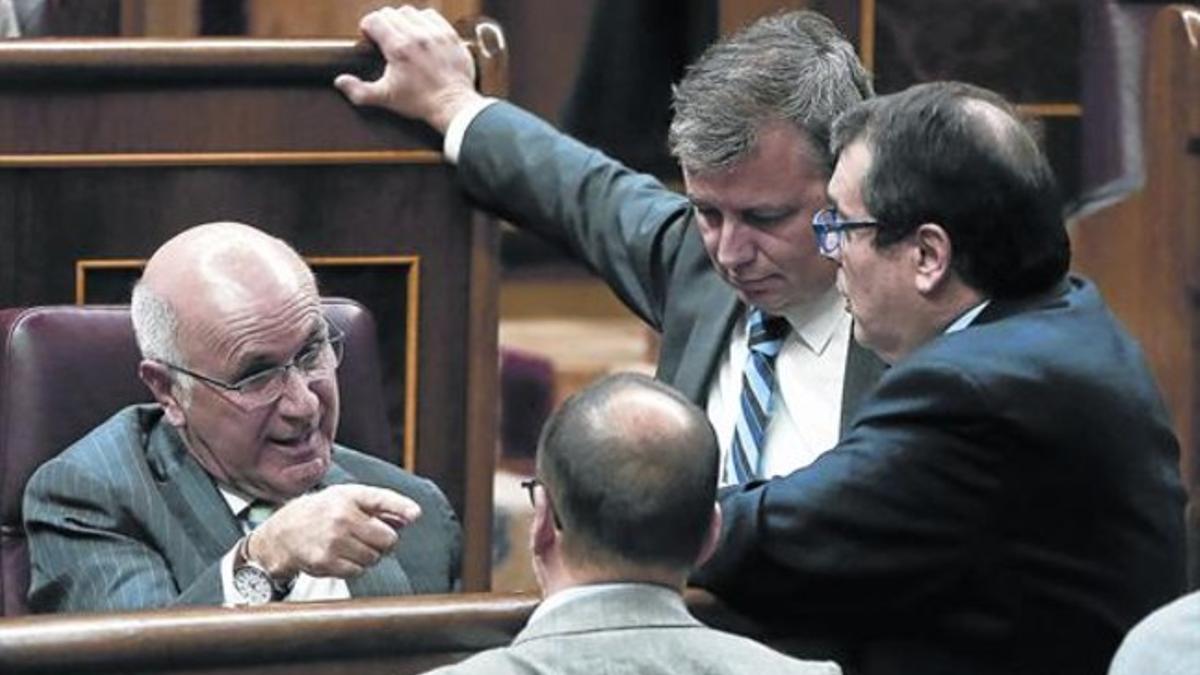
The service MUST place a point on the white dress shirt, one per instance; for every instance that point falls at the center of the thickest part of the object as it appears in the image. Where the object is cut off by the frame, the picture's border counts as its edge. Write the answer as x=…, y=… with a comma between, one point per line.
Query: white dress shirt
x=457, y=129
x=966, y=318
x=305, y=588
x=809, y=374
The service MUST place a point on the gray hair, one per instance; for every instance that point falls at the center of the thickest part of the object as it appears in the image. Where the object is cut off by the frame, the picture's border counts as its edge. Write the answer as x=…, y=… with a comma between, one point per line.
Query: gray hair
x=793, y=66
x=156, y=328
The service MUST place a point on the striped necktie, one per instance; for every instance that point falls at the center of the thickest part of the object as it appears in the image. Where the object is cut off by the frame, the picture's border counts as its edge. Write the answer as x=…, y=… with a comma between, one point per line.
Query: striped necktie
x=766, y=335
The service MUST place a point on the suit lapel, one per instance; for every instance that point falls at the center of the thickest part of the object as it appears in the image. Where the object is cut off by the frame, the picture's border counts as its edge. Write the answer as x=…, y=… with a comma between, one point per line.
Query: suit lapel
x=386, y=577
x=191, y=496
x=863, y=370
x=707, y=342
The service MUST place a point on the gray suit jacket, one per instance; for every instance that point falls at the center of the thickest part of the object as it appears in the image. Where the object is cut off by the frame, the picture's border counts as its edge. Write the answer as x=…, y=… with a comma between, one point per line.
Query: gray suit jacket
x=1165, y=643
x=126, y=519
x=630, y=230
x=630, y=630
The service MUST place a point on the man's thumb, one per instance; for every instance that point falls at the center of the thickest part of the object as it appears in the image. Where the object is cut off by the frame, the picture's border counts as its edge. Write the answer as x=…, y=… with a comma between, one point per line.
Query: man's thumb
x=359, y=92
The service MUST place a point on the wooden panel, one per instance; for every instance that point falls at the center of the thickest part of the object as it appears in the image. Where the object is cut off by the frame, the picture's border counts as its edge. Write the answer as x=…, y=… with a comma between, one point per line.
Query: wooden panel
x=279, y=18
x=1144, y=251
x=733, y=14
x=394, y=636
x=370, y=635
x=107, y=148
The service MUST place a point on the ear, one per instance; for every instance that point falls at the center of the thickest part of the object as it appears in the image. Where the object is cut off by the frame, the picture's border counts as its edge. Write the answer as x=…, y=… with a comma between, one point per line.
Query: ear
x=933, y=253
x=543, y=535
x=712, y=537
x=158, y=379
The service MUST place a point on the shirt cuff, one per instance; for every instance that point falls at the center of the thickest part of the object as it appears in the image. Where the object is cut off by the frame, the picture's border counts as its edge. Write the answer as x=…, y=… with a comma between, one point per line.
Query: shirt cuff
x=456, y=131
x=230, y=596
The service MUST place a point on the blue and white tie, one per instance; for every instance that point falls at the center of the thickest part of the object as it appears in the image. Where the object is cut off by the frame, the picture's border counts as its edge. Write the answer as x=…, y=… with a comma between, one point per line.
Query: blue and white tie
x=766, y=335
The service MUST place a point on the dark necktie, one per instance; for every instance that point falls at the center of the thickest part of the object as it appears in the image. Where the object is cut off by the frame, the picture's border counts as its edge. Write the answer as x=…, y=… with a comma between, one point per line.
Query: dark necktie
x=765, y=337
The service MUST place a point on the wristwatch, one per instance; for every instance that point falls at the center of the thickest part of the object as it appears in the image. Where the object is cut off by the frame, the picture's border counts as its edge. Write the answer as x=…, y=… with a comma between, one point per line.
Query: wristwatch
x=253, y=582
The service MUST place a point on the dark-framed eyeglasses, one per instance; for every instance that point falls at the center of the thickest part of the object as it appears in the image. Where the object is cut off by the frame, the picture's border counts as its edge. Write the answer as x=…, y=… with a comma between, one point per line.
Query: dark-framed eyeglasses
x=318, y=359
x=530, y=485
x=830, y=230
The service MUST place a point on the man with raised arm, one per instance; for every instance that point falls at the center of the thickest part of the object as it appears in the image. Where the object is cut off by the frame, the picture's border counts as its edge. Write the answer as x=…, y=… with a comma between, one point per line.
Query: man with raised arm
x=752, y=327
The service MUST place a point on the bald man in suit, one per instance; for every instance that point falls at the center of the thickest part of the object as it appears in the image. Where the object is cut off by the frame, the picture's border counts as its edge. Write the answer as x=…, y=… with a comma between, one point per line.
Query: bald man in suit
x=230, y=489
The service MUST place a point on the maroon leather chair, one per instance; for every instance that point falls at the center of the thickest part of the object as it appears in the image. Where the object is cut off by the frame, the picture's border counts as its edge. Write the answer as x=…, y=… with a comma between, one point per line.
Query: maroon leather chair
x=66, y=369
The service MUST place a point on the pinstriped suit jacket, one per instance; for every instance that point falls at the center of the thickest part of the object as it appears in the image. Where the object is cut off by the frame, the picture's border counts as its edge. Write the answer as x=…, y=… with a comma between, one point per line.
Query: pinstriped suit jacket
x=126, y=519
x=632, y=629
x=630, y=230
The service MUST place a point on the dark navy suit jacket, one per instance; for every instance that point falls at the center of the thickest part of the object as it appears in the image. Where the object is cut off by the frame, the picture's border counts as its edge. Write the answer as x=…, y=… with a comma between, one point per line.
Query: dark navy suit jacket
x=1007, y=501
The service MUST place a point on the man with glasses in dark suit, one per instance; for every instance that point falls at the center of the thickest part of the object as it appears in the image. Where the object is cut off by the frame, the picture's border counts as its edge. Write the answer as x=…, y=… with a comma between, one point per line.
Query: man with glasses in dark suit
x=231, y=490
x=1008, y=498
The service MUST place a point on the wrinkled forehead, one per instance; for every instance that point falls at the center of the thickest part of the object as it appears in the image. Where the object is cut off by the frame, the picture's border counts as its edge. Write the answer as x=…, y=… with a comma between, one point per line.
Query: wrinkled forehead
x=240, y=308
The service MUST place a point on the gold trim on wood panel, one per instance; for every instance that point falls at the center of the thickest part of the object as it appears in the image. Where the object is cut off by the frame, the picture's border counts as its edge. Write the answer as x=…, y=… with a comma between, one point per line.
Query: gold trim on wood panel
x=412, y=318
x=55, y=160
x=82, y=267
x=1051, y=109
x=866, y=34
x=411, y=336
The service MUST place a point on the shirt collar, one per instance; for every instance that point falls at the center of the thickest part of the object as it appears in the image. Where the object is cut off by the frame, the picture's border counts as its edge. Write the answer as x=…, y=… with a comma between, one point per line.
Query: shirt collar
x=576, y=593
x=816, y=322
x=966, y=318
x=236, y=501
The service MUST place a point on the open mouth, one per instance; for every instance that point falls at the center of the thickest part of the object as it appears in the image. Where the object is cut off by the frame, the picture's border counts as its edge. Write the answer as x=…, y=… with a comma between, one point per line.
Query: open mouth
x=300, y=444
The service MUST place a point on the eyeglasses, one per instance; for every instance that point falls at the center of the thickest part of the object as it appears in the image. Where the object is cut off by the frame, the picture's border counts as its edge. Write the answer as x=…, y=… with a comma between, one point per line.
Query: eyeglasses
x=317, y=360
x=530, y=485
x=830, y=230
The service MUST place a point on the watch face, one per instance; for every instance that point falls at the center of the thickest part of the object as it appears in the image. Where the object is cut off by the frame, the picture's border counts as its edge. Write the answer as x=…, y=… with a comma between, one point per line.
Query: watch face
x=253, y=584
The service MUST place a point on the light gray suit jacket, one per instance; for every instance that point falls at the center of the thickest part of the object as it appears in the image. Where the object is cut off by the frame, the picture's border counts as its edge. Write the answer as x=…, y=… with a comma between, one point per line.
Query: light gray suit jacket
x=126, y=519
x=630, y=230
x=630, y=630
x=1165, y=643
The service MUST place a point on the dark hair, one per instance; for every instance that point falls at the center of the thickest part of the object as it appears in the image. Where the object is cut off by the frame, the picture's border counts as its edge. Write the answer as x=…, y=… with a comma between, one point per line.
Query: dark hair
x=631, y=469
x=793, y=66
x=959, y=156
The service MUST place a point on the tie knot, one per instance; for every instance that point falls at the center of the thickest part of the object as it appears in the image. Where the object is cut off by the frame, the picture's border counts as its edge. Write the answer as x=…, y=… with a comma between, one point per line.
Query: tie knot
x=257, y=513
x=765, y=329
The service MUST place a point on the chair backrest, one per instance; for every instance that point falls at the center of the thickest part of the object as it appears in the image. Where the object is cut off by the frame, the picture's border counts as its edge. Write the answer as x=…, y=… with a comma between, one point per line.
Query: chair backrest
x=66, y=369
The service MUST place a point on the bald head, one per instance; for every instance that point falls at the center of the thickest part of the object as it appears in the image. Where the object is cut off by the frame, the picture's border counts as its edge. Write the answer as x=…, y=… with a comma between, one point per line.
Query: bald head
x=631, y=466
x=209, y=271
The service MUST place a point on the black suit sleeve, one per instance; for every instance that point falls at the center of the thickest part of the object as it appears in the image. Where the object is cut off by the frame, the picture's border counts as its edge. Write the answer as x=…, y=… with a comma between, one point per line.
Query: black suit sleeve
x=884, y=521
